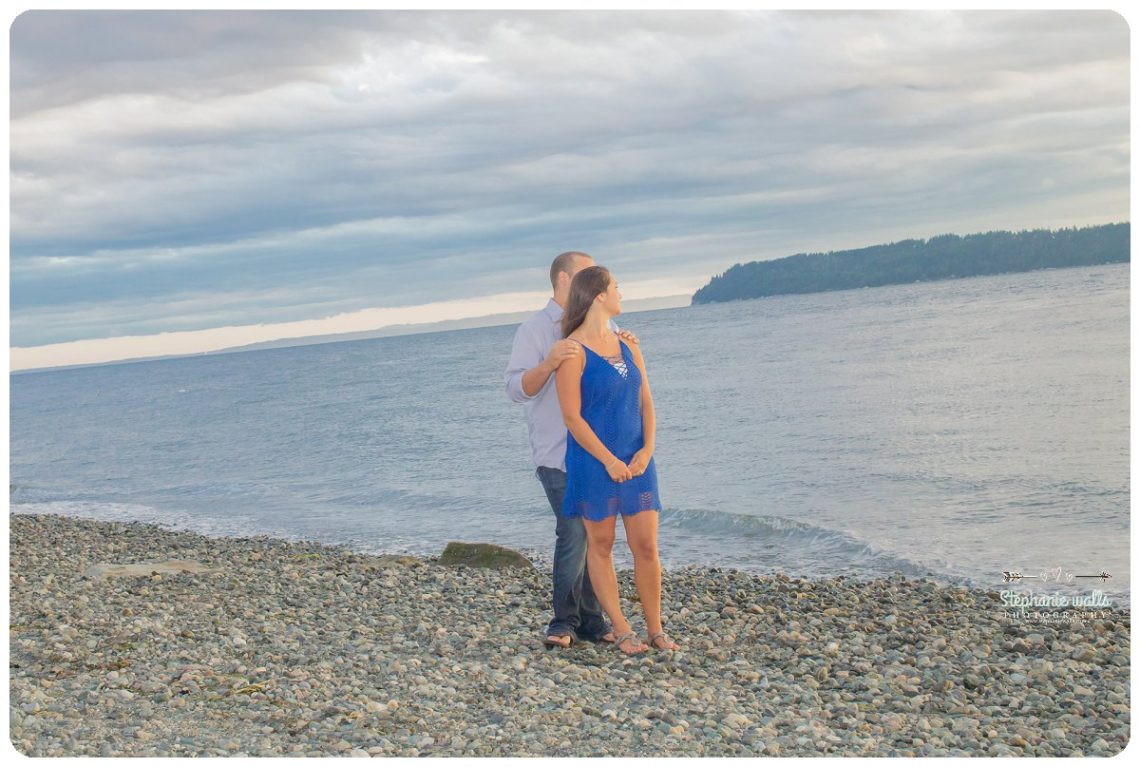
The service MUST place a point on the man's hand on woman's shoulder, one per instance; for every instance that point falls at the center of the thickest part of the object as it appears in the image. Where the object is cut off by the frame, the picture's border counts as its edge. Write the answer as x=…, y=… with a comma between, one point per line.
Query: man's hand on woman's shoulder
x=560, y=352
x=628, y=336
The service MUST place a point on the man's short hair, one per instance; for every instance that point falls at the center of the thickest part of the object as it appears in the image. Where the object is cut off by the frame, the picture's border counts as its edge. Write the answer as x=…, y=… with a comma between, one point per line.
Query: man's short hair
x=563, y=262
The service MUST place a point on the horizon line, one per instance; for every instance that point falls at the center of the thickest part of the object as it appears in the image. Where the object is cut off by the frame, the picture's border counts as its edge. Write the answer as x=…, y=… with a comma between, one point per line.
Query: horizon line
x=385, y=331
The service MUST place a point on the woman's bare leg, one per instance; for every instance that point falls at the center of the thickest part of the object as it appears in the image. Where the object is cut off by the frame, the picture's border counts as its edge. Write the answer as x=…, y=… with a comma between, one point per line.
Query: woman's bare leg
x=641, y=534
x=600, y=564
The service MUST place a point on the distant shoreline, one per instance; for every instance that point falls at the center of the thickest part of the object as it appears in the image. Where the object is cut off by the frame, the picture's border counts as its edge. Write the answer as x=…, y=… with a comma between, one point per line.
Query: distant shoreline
x=907, y=262
x=467, y=323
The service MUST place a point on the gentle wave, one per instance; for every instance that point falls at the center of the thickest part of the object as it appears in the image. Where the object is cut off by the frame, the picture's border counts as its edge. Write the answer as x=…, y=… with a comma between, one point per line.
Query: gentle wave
x=799, y=540
x=229, y=526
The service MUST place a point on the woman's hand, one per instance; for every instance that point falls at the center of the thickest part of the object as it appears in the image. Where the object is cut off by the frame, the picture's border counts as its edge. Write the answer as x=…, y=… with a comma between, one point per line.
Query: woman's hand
x=618, y=471
x=640, y=462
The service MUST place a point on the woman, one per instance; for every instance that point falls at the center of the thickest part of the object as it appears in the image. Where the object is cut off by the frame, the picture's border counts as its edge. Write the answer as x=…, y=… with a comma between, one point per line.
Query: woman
x=608, y=409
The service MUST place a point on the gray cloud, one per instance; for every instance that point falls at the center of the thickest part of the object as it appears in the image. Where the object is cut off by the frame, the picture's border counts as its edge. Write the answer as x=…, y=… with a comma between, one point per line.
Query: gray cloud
x=180, y=170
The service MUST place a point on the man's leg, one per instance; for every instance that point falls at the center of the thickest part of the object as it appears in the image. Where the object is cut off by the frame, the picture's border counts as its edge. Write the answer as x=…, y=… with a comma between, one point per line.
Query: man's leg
x=592, y=625
x=590, y=620
x=569, y=555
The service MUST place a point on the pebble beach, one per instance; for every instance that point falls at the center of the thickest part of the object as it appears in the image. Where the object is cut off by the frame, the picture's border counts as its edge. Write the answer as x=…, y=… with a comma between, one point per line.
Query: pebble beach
x=264, y=647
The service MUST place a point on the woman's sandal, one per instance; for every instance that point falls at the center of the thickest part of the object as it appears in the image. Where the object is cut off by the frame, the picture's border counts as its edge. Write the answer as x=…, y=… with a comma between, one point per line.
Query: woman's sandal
x=667, y=641
x=629, y=636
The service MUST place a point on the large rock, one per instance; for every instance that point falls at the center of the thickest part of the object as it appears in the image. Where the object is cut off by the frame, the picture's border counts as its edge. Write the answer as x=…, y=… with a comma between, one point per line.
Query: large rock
x=482, y=555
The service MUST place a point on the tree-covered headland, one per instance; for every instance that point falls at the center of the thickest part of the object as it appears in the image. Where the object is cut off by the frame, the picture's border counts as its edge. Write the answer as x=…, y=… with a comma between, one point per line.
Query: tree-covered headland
x=939, y=258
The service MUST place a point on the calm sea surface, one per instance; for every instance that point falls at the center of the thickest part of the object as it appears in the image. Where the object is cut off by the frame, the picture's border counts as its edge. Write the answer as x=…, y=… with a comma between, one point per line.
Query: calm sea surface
x=953, y=429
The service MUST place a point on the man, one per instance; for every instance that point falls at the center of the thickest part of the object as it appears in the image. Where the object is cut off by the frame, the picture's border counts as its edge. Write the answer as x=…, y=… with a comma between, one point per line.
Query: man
x=537, y=352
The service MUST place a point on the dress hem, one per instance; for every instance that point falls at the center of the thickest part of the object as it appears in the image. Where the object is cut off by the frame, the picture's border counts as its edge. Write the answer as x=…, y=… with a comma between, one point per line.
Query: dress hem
x=607, y=516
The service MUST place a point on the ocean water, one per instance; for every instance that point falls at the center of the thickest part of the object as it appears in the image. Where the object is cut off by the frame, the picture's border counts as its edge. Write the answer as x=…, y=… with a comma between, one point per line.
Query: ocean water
x=953, y=430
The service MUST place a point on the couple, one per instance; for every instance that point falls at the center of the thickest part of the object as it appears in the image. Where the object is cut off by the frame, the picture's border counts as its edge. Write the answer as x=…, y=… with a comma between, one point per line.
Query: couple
x=592, y=430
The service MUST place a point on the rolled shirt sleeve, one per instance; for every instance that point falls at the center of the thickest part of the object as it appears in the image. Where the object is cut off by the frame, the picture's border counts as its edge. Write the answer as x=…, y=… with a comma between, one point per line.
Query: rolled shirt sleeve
x=526, y=352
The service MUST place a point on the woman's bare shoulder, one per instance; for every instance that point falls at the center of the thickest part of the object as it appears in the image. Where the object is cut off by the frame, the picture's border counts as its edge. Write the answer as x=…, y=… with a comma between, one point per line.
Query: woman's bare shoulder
x=579, y=350
x=579, y=346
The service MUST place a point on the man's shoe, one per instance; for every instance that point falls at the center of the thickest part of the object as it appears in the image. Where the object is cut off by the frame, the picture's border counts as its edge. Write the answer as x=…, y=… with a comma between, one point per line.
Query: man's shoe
x=561, y=638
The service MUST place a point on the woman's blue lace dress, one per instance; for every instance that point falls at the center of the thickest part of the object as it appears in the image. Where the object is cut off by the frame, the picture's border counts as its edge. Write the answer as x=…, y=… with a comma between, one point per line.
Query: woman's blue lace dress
x=611, y=405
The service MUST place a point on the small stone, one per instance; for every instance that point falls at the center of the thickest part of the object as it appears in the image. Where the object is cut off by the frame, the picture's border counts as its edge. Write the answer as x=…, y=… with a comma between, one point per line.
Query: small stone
x=1085, y=654
x=964, y=725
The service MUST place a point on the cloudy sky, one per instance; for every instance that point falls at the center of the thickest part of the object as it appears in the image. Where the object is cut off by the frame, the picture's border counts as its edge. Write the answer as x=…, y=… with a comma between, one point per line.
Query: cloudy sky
x=227, y=177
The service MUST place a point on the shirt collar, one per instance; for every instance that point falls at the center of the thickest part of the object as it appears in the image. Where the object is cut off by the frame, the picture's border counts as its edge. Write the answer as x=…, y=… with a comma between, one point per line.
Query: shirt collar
x=553, y=311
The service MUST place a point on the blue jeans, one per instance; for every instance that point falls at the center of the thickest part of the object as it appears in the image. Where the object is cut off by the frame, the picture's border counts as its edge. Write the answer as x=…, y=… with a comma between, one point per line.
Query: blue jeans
x=576, y=607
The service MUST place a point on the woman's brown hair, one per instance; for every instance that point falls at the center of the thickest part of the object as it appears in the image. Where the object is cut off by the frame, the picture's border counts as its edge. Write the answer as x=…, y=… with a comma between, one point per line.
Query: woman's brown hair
x=587, y=285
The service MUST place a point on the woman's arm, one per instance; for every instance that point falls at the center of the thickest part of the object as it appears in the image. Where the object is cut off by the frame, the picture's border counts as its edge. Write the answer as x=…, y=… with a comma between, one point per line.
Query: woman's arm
x=649, y=415
x=568, y=381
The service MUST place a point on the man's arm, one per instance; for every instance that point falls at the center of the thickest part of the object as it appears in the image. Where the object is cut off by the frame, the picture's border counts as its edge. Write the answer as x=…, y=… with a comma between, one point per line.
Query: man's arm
x=536, y=377
x=526, y=359
x=531, y=366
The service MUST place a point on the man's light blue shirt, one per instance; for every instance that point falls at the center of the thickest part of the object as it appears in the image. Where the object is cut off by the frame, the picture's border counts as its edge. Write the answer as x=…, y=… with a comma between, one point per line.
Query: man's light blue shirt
x=533, y=341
